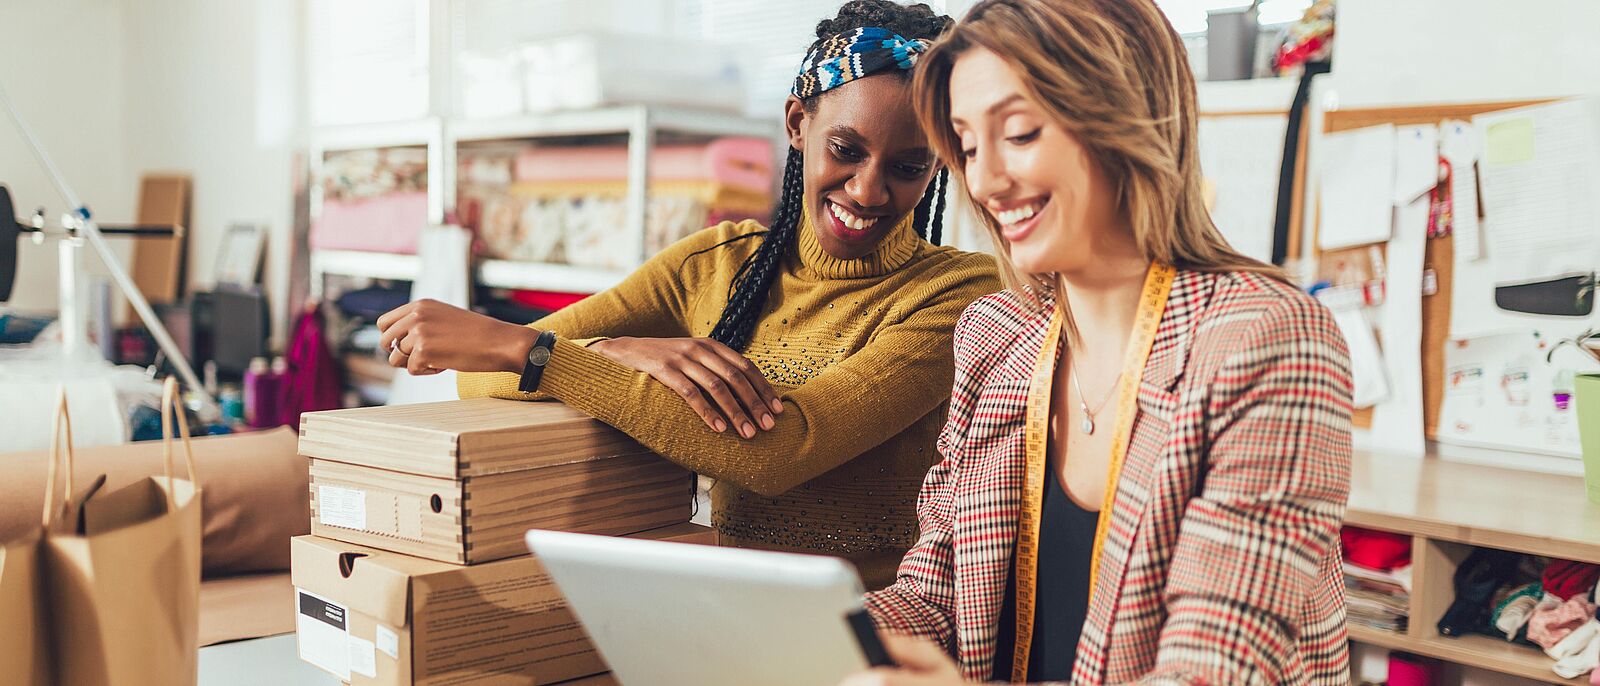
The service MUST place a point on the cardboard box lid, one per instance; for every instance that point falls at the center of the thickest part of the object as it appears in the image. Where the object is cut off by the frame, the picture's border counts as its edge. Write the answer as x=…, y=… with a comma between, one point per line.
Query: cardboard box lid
x=367, y=580
x=379, y=583
x=461, y=438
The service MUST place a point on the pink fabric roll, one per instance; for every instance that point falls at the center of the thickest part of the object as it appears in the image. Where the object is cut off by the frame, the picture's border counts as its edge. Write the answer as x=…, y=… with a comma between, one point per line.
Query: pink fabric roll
x=744, y=163
x=390, y=223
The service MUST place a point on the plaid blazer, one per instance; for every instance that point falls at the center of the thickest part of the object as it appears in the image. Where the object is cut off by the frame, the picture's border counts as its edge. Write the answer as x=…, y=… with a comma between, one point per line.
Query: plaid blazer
x=1221, y=565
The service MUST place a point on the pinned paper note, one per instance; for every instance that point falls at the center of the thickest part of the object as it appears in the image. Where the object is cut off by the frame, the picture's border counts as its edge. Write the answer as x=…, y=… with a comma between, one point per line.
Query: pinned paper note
x=1541, y=180
x=1458, y=145
x=1504, y=391
x=1509, y=141
x=1358, y=186
x=1416, y=162
x=1369, y=377
x=1397, y=421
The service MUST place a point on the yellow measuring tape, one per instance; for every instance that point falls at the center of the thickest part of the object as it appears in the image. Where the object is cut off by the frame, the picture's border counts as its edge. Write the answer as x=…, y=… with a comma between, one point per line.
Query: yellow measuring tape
x=1152, y=303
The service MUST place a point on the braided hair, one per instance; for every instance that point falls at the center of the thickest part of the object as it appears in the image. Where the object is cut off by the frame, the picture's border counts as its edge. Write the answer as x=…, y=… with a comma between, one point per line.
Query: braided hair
x=753, y=282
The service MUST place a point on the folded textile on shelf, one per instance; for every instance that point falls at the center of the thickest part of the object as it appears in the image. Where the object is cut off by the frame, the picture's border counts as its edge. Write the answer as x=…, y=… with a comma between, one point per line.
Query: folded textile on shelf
x=1512, y=613
x=1553, y=620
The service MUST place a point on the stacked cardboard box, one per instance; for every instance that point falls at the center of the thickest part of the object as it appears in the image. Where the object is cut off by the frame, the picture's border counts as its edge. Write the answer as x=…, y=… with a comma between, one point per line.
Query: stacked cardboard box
x=458, y=483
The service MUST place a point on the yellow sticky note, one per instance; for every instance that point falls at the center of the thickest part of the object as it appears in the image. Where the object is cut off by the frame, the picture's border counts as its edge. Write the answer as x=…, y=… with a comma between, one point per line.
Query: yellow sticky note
x=1510, y=141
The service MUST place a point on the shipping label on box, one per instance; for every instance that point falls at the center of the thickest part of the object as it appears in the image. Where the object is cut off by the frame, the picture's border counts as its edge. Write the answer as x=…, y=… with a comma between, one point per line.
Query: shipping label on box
x=371, y=616
x=376, y=617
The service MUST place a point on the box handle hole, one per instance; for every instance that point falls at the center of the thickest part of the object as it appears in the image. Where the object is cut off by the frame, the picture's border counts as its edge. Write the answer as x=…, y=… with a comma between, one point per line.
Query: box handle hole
x=436, y=503
x=347, y=563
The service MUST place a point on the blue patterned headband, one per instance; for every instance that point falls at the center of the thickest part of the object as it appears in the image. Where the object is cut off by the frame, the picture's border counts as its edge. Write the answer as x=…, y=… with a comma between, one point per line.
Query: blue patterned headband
x=848, y=56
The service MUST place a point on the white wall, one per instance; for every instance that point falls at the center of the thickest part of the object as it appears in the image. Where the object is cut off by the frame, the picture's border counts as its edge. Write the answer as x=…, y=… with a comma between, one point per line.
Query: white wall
x=214, y=90
x=210, y=89
x=59, y=64
x=1428, y=51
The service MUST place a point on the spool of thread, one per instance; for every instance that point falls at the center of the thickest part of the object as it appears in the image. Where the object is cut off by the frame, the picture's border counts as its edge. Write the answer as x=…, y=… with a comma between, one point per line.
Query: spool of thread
x=254, y=378
x=1406, y=669
x=231, y=402
x=261, y=389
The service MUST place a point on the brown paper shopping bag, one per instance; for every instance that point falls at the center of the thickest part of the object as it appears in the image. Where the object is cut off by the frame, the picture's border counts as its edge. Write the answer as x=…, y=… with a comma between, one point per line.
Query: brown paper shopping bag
x=122, y=571
x=25, y=649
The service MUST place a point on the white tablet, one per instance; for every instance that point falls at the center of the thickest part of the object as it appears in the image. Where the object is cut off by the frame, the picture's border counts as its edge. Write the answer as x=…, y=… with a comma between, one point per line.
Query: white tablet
x=676, y=614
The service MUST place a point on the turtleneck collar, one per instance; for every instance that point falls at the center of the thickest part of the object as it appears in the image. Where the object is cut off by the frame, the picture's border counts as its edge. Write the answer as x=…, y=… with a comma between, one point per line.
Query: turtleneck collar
x=891, y=253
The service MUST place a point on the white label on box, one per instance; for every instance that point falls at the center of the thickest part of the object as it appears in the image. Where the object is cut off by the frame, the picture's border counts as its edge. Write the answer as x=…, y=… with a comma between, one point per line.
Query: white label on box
x=342, y=507
x=388, y=641
x=323, y=630
x=363, y=660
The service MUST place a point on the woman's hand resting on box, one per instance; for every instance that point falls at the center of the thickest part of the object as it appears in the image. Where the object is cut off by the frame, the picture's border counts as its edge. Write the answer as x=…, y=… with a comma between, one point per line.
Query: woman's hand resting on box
x=428, y=336
x=718, y=383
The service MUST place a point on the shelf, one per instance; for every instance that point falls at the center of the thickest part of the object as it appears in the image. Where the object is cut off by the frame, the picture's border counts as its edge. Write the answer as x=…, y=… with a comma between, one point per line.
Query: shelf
x=373, y=265
x=1483, y=652
x=710, y=123
x=1490, y=507
x=613, y=120
x=409, y=133
x=561, y=278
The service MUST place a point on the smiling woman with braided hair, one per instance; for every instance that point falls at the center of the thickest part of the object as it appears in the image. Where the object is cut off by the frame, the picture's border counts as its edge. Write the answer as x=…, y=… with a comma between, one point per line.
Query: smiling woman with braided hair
x=805, y=366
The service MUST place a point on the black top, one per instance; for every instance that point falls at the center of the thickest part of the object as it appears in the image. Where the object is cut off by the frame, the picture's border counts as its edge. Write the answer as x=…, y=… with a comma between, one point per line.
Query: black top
x=1061, y=596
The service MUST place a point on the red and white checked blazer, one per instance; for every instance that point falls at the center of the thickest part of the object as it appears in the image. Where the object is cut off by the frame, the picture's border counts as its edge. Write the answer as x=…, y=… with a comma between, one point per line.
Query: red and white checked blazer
x=1221, y=565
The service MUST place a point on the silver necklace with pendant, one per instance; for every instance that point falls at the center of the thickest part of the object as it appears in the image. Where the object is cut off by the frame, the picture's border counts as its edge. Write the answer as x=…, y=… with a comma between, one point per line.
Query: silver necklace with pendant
x=1088, y=415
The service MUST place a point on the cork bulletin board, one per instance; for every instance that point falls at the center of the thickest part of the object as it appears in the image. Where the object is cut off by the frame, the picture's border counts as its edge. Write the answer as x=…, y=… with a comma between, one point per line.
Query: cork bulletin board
x=1439, y=256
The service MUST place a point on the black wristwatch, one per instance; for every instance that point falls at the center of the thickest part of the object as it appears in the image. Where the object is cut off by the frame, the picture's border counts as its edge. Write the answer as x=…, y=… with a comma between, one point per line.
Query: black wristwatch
x=538, y=357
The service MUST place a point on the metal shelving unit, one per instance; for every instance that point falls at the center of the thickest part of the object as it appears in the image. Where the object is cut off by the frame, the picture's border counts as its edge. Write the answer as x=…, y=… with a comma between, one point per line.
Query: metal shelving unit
x=443, y=138
x=491, y=273
x=546, y=277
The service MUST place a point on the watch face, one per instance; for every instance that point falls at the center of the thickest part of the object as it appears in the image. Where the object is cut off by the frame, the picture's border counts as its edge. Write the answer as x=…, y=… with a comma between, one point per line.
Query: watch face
x=539, y=356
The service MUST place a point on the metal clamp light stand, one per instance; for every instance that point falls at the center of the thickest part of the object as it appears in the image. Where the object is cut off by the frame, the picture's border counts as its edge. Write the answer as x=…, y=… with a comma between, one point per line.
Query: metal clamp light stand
x=83, y=228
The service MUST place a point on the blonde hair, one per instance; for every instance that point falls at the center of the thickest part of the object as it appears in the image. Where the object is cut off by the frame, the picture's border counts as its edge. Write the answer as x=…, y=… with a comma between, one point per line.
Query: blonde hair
x=1115, y=75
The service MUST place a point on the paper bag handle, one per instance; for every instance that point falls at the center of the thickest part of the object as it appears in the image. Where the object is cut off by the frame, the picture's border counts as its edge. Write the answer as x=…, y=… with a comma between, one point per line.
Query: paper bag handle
x=60, y=461
x=171, y=403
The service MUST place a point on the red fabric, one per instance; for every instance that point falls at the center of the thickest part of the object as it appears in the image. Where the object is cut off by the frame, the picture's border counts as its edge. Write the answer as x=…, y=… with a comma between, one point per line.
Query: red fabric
x=1410, y=670
x=549, y=301
x=1565, y=578
x=1380, y=550
x=1221, y=564
x=314, y=380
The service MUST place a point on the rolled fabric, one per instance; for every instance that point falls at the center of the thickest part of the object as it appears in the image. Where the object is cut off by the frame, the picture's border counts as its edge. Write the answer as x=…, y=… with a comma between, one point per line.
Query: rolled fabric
x=254, y=493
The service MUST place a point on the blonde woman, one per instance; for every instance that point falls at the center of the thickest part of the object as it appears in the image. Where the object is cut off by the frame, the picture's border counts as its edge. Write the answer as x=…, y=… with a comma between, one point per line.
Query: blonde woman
x=1147, y=453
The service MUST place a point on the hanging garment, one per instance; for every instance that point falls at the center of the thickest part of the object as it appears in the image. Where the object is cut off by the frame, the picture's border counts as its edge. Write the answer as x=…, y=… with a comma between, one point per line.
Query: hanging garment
x=313, y=380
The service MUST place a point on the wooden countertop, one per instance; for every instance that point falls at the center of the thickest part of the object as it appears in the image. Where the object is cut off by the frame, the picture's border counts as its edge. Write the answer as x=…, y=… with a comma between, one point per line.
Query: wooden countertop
x=1528, y=512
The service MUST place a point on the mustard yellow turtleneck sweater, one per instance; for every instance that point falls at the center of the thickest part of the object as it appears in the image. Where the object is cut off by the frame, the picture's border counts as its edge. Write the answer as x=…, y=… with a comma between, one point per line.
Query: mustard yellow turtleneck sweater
x=859, y=351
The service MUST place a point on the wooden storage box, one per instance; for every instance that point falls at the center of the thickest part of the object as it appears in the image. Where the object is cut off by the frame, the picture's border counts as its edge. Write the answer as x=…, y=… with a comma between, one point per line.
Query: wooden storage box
x=379, y=618
x=461, y=481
